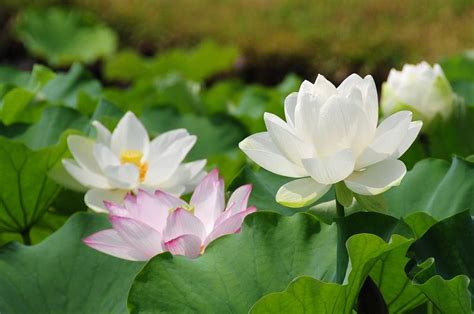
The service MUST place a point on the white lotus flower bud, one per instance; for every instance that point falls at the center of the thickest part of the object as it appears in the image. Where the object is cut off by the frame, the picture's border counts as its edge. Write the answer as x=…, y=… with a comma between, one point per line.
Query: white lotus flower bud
x=420, y=88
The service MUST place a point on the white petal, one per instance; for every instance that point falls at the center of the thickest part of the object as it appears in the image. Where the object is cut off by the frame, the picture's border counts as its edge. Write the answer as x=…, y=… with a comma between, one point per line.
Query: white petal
x=324, y=88
x=305, y=88
x=353, y=80
x=95, y=198
x=85, y=177
x=394, y=78
x=161, y=144
x=124, y=176
x=61, y=176
x=181, y=222
x=331, y=169
x=388, y=138
x=139, y=235
x=130, y=134
x=286, y=141
x=176, y=190
x=186, y=245
x=82, y=150
x=110, y=242
x=364, y=132
x=162, y=167
x=103, y=134
x=369, y=94
x=260, y=148
x=371, y=102
x=306, y=116
x=338, y=125
x=104, y=156
x=290, y=106
x=377, y=178
x=409, y=138
x=208, y=199
x=229, y=226
x=185, y=179
x=301, y=192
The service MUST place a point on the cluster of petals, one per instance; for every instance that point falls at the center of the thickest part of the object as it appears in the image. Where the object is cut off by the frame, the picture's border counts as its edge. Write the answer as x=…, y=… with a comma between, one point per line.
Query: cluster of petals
x=332, y=135
x=420, y=88
x=125, y=160
x=147, y=224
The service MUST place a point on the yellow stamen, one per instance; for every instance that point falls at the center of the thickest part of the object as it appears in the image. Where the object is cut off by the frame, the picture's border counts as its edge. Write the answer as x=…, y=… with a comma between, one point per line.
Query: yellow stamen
x=189, y=208
x=134, y=157
x=186, y=207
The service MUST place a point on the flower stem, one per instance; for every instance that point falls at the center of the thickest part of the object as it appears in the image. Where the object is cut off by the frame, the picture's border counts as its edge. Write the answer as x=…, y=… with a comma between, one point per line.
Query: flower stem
x=340, y=210
x=425, y=144
x=342, y=257
x=25, y=235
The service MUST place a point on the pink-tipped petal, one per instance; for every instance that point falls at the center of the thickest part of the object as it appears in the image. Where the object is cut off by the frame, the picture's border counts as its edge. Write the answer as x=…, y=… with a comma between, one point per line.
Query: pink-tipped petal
x=188, y=245
x=229, y=226
x=139, y=235
x=110, y=242
x=168, y=201
x=181, y=222
x=118, y=210
x=149, y=209
x=144, y=207
x=239, y=199
x=95, y=198
x=130, y=201
x=208, y=199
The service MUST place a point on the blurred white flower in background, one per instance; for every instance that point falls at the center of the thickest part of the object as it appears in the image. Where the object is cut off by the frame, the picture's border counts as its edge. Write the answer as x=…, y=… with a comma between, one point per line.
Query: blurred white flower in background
x=420, y=88
x=125, y=160
x=331, y=135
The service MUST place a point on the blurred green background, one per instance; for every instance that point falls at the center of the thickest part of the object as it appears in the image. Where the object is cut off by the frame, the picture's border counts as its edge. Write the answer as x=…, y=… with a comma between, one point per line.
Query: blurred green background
x=334, y=38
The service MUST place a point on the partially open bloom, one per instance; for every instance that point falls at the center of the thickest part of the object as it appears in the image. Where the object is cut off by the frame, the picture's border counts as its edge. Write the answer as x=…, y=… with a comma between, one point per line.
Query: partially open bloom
x=126, y=160
x=420, y=88
x=331, y=135
x=148, y=224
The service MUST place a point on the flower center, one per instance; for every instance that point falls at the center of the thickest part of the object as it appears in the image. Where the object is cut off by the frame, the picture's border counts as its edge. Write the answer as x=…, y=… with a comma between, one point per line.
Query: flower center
x=189, y=208
x=134, y=157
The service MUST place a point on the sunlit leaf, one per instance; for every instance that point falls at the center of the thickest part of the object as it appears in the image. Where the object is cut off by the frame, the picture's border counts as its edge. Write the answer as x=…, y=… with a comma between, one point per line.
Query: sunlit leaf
x=63, y=275
x=237, y=270
x=63, y=37
x=198, y=63
x=27, y=191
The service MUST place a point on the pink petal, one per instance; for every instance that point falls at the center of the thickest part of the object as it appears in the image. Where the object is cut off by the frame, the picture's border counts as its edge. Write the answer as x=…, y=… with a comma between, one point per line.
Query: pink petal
x=138, y=234
x=208, y=199
x=150, y=209
x=127, y=209
x=117, y=210
x=183, y=222
x=229, y=226
x=153, y=209
x=239, y=199
x=188, y=245
x=130, y=201
x=110, y=242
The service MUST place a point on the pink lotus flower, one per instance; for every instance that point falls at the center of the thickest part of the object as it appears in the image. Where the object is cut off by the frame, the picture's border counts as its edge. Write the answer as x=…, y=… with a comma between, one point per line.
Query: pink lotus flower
x=148, y=224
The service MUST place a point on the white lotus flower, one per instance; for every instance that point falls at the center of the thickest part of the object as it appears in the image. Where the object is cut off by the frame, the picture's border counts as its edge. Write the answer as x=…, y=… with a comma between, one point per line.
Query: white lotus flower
x=331, y=135
x=420, y=88
x=126, y=160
